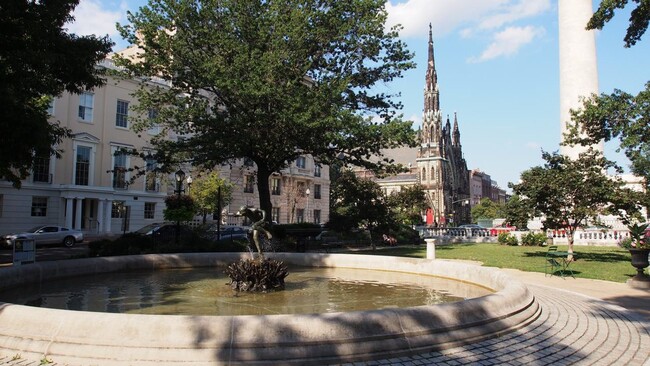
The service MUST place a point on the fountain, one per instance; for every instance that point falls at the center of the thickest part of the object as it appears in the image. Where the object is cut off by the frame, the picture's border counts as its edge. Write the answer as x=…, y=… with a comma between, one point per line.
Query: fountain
x=76, y=337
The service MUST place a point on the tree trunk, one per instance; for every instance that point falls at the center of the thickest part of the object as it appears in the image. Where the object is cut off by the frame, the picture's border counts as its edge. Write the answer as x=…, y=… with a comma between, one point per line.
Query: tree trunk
x=569, y=237
x=263, y=176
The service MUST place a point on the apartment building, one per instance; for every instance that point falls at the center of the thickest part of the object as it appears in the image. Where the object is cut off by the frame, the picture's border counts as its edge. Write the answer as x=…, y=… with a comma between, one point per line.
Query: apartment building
x=300, y=193
x=89, y=187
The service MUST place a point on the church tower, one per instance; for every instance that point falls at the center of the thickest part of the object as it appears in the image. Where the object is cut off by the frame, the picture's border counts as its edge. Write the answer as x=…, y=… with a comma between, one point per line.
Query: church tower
x=442, y=170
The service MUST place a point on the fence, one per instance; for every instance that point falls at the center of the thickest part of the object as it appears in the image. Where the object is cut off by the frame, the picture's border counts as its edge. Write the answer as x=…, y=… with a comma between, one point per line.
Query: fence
x=601, y=237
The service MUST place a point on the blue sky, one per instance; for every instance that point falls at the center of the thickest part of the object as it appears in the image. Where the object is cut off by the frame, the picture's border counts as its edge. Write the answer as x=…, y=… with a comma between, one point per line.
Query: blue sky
x=497, y=63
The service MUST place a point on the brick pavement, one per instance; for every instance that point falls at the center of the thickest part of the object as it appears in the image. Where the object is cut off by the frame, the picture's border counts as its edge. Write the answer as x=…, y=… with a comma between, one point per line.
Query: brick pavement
x=572, y=329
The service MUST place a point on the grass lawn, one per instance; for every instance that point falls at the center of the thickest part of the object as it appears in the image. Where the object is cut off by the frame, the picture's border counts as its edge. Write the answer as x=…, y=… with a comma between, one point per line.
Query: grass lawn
x=602, y=263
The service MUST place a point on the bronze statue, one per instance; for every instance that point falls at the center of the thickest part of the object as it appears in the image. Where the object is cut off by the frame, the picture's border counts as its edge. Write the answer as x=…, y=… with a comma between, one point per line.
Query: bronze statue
x=259, y=224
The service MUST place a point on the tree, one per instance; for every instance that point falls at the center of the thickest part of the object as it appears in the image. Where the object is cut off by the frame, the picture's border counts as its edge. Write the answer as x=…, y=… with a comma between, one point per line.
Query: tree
x=358, y=202
x=408, y=204
x=619, y=115
x=571, y=193
x=269, y=81
x=210, y=193
x=517, y=212
x=38, y=61
x=487, y=209
x=638, y=18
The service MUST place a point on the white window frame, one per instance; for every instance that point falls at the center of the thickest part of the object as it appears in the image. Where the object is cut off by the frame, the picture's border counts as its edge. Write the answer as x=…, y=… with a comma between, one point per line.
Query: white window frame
x=154, y=128
x=33, y=207
x=152, y=211
x=91, y=165
x=118, y=114
x=50, y=172
x=127, y=164
x=87, y=108
x=146, y=178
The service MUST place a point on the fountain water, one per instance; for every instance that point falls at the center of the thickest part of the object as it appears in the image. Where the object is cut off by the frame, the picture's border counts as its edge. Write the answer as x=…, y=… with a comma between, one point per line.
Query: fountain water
x=116, y=339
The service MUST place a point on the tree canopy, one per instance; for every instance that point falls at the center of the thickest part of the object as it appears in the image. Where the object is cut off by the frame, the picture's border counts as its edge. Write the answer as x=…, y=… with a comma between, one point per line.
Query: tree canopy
x=39, y=60
x=570, y=193
x=487, y=209
x=269, y=81
x=408, y=204
x=638, y=18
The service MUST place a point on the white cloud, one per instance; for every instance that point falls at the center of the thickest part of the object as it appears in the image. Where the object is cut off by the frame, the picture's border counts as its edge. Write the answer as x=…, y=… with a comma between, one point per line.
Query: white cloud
x=509, y=41
x=445, y=15
x=93, y=17
x=511, y=13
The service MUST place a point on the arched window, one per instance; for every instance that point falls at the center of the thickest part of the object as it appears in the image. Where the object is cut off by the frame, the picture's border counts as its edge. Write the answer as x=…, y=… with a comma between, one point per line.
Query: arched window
x=423, y=177
x=433, y=174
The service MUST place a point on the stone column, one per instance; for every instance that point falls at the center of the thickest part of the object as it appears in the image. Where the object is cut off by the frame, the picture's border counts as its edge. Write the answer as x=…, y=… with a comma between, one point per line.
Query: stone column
x=100, y=216
x=68, y=212
x=578, y=63
x=77, y=218
x=431, y=248
x=107, y=216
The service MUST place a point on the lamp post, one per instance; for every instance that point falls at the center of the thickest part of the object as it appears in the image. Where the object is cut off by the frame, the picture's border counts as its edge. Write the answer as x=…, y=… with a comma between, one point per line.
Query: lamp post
x=463, y=201
x=307, y=192
x=180, y=175
x=189, y=183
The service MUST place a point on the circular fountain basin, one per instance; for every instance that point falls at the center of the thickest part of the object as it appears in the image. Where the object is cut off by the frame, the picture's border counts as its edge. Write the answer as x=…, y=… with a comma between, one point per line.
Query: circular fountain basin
x=84, y=338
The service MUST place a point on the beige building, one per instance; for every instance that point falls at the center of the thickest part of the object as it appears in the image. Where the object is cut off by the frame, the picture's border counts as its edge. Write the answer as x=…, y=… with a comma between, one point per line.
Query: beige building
x=299, y=193
x=89, y=188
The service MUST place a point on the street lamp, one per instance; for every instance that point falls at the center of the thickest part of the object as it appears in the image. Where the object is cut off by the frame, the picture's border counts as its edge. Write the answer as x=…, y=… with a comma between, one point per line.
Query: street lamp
x=463, y=202
x=189, y=183
x=307, y=192
x=180, y=175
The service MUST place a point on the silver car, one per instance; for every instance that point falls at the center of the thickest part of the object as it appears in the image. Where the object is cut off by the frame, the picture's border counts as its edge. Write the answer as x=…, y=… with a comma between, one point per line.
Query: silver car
x=47, y=234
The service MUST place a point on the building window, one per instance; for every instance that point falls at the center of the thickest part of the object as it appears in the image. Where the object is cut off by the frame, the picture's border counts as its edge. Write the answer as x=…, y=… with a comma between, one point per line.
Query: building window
x=151, y=178
x=275, y=214
x=317, y=217
x=41, y=169
x=423, y=177
x=122, y=114
x=317, y=171
x=249, y=183
x=149, y=210
x=86, y=107
x=39, y=206
x=317, y=191
x=154, y=127
x=82, y=166
x=300, y=215
x=119, y=170
x=275, y=186
x=301, y=162
x=433, y=174
x=118, y=210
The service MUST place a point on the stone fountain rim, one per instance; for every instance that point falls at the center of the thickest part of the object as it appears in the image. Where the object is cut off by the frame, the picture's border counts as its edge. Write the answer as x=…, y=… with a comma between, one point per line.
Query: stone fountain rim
x=112, y=339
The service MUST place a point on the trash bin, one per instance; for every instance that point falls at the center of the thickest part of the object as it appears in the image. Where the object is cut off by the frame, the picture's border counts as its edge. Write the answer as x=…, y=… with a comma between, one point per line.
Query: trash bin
x=24, y=251
x=549, y=241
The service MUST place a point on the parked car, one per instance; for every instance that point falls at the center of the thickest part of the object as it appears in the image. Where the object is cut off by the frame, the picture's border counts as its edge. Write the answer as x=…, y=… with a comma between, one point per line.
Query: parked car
x=229, y=232
x=164, y=230
x=47, y=234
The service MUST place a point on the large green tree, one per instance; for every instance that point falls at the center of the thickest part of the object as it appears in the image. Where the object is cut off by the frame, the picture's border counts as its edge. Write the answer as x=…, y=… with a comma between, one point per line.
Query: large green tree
x=408, y=204
x=210, y=193
x=570, y=193
x=359, y=202
x=268, y=81
x=39, y=60
x=487, y=209
x=639, y=18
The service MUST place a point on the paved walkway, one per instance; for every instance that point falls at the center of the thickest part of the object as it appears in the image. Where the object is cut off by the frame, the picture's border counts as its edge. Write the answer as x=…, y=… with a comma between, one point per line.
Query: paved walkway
x=582, y=322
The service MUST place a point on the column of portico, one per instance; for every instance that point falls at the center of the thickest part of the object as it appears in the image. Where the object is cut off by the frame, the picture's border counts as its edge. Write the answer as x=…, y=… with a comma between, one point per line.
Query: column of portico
x=100, y=216
x=107, y=216
x=68, y=212
x=77, y=218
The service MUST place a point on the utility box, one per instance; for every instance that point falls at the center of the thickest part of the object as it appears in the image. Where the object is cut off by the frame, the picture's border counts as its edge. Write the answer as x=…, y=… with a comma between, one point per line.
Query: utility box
x=24, y=251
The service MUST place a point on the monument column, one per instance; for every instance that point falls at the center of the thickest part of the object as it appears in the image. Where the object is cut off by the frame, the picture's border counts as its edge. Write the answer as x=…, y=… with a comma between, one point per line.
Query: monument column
x=578, y=63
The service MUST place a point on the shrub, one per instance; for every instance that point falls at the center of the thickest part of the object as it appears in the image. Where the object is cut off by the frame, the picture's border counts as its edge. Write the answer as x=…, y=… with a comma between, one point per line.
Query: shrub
x=507, y=239
x=533, y=239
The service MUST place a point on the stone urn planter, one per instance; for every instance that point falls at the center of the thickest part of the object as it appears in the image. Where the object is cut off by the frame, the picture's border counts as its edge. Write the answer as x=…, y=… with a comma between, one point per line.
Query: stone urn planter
x=640, y=261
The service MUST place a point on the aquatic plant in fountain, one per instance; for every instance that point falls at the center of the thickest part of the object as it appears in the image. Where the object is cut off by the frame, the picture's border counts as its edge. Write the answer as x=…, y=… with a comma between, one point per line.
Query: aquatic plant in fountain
x=261, y=274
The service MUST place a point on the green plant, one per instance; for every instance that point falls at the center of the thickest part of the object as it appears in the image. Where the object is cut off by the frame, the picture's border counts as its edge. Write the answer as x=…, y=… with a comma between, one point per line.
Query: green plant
x=636, y=238
x=533, y=239
x=507, y=239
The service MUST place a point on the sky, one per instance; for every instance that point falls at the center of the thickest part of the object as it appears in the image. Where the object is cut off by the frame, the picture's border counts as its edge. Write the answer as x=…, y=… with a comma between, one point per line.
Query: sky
x=498, y=69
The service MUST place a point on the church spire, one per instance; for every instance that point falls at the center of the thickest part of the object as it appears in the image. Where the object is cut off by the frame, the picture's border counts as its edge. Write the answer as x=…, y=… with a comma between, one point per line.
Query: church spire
x=431, y=93
x=456, y=133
